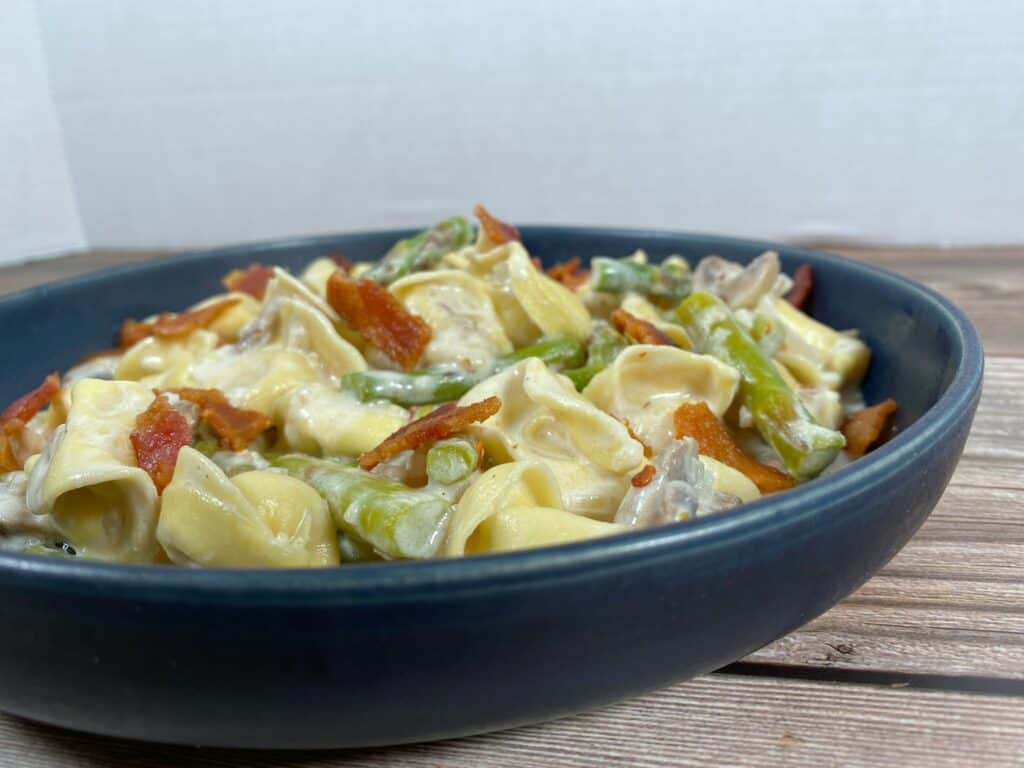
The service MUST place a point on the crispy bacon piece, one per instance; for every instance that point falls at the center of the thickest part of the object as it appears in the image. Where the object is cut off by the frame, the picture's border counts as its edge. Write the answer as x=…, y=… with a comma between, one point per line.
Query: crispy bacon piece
x=865, y=428
x=629, y=428
x=170, y=325
x=9, y=461
x=235, y=427
x=252, y=280
x=803, y=284
x=13, y=431
x=29, y=404
x=643, y=477
x=569, y=274
x=640, y=331
x=448, y=420
x=497, y=231
x=371, y=310
x=343, y=262
x=160, y=432
x=697, y=421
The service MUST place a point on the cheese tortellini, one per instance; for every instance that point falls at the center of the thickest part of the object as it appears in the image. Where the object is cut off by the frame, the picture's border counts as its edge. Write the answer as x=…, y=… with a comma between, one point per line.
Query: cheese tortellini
x=255, y=519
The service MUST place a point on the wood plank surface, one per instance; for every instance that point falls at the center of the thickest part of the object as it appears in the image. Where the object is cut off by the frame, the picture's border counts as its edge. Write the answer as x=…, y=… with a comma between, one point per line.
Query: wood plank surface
x=718, y=720
x=946, y=613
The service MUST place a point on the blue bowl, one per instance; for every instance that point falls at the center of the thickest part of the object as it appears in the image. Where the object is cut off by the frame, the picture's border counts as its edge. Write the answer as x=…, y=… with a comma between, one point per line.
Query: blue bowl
x=383, y=654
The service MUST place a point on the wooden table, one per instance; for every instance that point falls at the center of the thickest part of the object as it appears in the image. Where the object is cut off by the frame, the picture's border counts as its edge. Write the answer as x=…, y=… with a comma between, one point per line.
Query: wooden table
x=922, y=666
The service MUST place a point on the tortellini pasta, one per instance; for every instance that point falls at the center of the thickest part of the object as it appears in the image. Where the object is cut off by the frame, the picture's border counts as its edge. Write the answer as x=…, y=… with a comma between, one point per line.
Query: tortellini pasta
x=257, y=519
x=458, y=309
x=87, y=479
x=517, y=506
x=528, y=302
x=318, y=419
x=646, y=384
x=543, y=417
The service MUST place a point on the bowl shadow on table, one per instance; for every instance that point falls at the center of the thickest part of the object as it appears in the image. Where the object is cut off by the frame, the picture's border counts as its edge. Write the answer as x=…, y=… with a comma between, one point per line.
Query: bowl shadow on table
x=82, y=750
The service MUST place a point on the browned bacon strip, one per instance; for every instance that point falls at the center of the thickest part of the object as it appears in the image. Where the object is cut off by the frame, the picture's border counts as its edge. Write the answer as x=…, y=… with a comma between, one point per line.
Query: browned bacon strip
x=171, y=325
x=803, y=284
x=864, y=429
x=640, y=331
x=160, y=432
x=370, y=309
x=497, y=231
x=569, y=274
x=235, y=427
x=448, y=420
x=252, y=280
x=697, y=421
x=643, y=477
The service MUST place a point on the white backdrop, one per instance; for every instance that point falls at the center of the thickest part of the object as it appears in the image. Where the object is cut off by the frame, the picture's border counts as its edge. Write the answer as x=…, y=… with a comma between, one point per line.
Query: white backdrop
x=198, y=122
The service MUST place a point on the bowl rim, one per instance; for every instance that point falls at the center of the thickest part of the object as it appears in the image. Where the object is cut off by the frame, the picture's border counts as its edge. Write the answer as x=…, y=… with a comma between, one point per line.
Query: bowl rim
x=424, y=580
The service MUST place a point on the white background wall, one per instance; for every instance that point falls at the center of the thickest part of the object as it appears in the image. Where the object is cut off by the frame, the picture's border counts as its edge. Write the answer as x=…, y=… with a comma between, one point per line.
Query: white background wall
x=38, y=214
x=198, y=122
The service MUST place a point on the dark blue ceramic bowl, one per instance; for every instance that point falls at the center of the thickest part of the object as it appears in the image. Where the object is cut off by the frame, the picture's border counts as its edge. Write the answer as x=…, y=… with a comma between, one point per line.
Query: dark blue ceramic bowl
x=381, y=654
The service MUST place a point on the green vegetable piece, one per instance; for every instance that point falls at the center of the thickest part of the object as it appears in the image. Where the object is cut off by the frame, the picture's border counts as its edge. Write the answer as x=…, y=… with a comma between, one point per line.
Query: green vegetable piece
x=669, y=280
x=604, y=346
x=557, y=351
x=423, y=251
x=804, y=446
x=398, y=522
x=444, y=385
x=352, y=551
x=451, y=461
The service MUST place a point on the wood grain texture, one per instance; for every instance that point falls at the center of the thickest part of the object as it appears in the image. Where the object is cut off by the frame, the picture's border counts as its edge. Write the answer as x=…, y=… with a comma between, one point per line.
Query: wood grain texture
x=950, y=605
x=719, y=720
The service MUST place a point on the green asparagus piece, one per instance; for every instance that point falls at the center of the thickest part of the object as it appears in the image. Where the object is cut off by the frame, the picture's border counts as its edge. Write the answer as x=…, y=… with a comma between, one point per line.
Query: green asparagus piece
x=804, y=446
x=558, y=352
x=444, y=385
x=413, y=388
x=603, y=347
x=451, y=461
x=423, y=251
x=398, y=522
x=352, y=551
x=669, y=280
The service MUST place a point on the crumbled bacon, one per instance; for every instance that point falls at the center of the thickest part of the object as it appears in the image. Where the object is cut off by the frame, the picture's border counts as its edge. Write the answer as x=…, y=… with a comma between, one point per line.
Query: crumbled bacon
x=448, y=420
x=640, y=331
x=497, y=231
x=569, y=274
x=252, y=280
x=697, y=421
x=629, y=429
x=803, y=283
x=343, y=262
x=643, y=477
x=9, y=462
x=370, y=309
x=29, y=404
x=171, y=325
x=865, y=428
x=161, y=431
x=235, y=427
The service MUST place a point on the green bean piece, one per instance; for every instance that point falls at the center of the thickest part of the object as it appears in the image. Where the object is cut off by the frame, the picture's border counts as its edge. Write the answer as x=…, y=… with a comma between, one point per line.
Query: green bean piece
x=423, y=251
x=451, y=461
x=412, y=388
x=670, y=280
x=398, y=522
x=557, y=351
x=804, y=446
x=603, y=347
